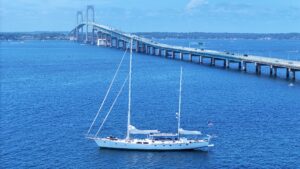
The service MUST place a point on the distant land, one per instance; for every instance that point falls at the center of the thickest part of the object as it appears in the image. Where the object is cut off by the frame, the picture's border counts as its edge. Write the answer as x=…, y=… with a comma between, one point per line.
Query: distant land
x=34, y=36
x=157, y=35
x=203, y=35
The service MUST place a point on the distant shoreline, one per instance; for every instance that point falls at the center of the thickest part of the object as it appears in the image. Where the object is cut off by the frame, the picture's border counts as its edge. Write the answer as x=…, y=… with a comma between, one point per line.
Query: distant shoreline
x=203, y=35
x=157, y=35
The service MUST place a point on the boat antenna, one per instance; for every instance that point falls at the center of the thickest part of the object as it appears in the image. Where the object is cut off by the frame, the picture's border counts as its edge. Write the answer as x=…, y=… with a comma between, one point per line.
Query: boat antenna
x=179, y=103
x=129, y=91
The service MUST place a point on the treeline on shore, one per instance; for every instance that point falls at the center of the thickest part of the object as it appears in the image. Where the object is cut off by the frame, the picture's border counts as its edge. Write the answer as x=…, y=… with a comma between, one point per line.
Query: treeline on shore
x=34, y=36
x=157, y=35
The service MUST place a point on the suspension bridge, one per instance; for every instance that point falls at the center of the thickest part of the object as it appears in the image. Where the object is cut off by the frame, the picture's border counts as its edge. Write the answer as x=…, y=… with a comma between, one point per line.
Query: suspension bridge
x=102, y=35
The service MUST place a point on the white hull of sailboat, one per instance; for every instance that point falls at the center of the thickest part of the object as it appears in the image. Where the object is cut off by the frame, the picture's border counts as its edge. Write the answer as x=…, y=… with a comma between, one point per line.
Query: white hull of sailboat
x=152, y=145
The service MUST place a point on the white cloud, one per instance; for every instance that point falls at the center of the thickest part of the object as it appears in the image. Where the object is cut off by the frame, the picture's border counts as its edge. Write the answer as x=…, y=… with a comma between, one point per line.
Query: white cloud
x=194, y=4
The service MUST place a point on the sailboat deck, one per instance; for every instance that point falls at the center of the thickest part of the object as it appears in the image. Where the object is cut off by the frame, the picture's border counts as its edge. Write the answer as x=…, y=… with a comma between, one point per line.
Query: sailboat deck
x=150, y=141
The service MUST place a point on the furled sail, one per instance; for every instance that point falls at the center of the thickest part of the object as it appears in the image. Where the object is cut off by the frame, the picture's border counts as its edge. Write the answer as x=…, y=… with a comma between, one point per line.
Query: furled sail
x=134, y=130
x=189, y=132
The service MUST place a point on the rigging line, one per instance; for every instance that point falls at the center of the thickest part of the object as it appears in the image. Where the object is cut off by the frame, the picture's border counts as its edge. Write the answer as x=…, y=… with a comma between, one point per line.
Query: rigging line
x=111, y=107
x=105, y=97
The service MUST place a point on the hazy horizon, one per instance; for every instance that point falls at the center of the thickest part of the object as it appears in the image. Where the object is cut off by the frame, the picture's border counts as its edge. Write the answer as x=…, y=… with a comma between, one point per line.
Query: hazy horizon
x=49, y=31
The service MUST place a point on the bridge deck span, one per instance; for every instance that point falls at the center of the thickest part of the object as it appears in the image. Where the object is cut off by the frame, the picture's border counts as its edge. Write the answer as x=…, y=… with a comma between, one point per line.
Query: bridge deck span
x=112, y=38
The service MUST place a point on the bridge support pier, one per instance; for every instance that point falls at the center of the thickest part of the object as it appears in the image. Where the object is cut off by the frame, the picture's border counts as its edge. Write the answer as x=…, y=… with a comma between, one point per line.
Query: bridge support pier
x=190, y=57
x=109, y=38
x=93, y=34
x=293, y=74
x=149, y=50
x=117, y=43
x=146, y=49
x=287, y=73
x=275, y=71
x=159, y=52
x=180, y=56
x=200, y=59
x=124, y=45
x=271, y=70
x=226, y=63
x=141, y=49
x=152, y=50
x=172, y=54
x=213, y=61
x=121, y=44
x=137, y=49
x=244, y=66
x=165, y=53
x=258, y=68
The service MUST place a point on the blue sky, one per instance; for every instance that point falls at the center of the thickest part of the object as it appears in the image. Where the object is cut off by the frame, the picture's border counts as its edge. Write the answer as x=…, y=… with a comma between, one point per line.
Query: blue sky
x=263, y=16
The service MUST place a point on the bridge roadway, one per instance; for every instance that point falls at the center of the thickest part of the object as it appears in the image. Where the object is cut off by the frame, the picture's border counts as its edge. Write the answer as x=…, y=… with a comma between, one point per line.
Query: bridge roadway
x=111, y=37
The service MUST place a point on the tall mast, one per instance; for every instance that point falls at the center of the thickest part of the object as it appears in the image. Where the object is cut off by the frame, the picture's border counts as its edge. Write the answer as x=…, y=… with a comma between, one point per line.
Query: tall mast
x=179, y=103
x=129, y=91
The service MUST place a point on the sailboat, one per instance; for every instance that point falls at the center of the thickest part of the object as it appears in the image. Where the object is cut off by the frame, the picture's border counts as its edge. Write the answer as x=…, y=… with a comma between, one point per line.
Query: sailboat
x=154, y=140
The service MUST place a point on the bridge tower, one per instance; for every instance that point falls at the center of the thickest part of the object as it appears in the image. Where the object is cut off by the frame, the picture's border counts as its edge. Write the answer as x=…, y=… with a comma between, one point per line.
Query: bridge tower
x=89, y=8
x=79, y=19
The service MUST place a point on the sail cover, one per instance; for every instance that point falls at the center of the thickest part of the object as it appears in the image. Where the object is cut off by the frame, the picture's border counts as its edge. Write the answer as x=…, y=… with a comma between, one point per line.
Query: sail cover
x=189, y=132
x=134, y=130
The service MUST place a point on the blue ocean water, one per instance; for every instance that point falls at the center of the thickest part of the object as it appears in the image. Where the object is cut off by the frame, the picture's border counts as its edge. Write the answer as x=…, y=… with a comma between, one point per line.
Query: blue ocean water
x=51, y=91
